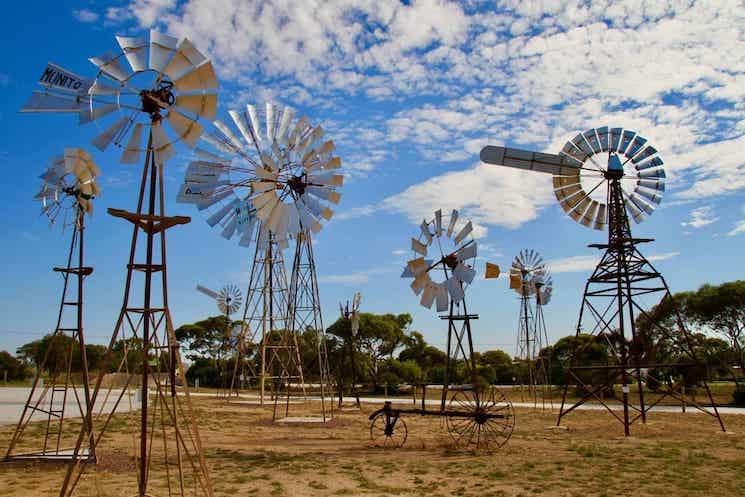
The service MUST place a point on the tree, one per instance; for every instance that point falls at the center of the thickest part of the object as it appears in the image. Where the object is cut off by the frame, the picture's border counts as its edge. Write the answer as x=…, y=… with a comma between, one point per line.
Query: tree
x=379, y=337
x=58, y=346
x=721, y=309
x=13, y=367
x=501, y=364
x=210, y=337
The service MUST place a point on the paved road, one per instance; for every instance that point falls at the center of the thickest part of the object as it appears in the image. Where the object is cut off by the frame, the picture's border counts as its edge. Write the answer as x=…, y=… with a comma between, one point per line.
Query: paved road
x=435, y=402
x=12, y=401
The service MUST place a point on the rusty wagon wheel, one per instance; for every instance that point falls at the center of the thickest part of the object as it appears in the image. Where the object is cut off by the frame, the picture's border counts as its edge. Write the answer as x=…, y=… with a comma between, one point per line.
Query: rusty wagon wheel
x=388, y=431
x=486, y=423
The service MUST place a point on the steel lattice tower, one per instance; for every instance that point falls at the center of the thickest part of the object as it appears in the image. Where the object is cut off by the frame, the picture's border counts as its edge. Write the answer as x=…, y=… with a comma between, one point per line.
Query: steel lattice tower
x=610, y=308
x=304, y=316
x=51, y=399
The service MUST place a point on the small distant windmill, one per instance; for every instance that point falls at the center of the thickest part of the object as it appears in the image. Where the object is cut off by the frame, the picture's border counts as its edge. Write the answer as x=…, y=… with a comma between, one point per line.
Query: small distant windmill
x=68, y=189
x=530, y=279
x=228, y=300
x=350, y=349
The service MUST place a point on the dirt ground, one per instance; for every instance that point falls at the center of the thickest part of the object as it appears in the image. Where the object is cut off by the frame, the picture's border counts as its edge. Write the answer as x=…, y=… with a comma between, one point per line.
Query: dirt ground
x=247, y=454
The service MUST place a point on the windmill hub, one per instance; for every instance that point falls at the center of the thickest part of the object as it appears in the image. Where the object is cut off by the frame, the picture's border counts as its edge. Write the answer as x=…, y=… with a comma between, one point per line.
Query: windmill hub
x=450, y=261
x=615, y=168
x=297, y=184
x=153, y=101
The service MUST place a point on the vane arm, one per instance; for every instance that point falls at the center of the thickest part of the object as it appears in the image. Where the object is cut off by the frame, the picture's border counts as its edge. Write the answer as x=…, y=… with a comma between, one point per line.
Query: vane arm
x=561, y=165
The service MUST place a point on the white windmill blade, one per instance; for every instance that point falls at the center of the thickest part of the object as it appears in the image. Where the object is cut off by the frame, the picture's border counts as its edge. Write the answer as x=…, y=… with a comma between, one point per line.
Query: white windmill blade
x=324, y=193
x=203, y=105
x=208, y=292
x=438, y=222
x=48, y=102
x=326, y=179
x=451, y=224
x=464, y=273
x=103, y=140
x=270, y=122
x=135, y=50
x=317, y=208
x=162, y=48
x=224, y=211
x=463, y=233
x=231, y=139
x=161, y=145
x=455, y=289
x=200, y=79
x=428, y=295
x=284, y=125
x=110, y=65
x=466, y=252
x=187, y=129
x=133, y=150
x=425, y=232
x=185, y=59
x=441, y=296
x=90, y=114
x=296, y=133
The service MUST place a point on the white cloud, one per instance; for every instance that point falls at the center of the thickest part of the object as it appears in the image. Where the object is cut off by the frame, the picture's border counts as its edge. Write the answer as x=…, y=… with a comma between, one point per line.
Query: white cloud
x=583, y=263
x=485, y=194
x=701, y=216
x=464, y=75
x=85, y=15
x=353, y=278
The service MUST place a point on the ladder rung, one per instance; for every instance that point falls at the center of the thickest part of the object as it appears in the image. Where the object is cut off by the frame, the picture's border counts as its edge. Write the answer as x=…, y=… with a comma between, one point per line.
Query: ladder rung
x=140, y=309
x=67, y=329
x=69, y=303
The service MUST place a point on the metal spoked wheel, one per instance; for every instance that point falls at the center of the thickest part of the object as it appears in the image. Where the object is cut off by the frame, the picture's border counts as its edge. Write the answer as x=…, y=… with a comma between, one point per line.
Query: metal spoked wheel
x=487, y=421
x=388, y=431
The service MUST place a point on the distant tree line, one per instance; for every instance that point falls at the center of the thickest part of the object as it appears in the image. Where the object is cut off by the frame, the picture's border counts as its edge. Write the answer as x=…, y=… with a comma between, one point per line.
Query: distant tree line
x=388, y=354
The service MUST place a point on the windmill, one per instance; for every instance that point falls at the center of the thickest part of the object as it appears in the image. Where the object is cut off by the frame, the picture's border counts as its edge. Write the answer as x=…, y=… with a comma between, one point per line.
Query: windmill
x=271, y=178
x=530, y=279
x=68, y=189
x=153, y=92
x=477, y=416
x=602, y=177
x=228, y=300
x=352, y=314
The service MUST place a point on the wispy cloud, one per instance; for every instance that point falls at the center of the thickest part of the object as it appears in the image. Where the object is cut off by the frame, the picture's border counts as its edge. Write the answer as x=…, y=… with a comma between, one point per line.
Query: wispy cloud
x=701, y=216
x=85, y=15
x=355, y=277
x=582, y=263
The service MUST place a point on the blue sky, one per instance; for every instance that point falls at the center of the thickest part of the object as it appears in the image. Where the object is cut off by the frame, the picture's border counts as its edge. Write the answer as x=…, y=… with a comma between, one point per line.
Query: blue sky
x=410, y=93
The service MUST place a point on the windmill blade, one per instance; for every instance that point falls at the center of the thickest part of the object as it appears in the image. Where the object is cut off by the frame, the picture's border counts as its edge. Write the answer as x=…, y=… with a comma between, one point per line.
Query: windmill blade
x=135, y=51
x=284, y=124
x=324, y=193
x=187, y=129
x=589, y=216
x=332, y=163
x=640, y=204
x=451, y=224
x=428, y=295
x=233, y=141
x=47, y=102
x=455, y=289
x=649, y=196
x=412, y=271
x=212, y=157
x=255, y=125
x=425, y=232
x=89, y=114
x=184, y=59
x=231, y=224
x=657, y=173
x=466, y=252
x=580, y=207
x=162, y=48
x=110, y=65
x=208, y=292
x=300, y=126
x=438, y=222
x=203, y=106
x=604, y=137
x=418, y=247
x=652, y=184
x=492, y=271
x=600, y=220
x=441, y=297
x=419, y=283
x=635, y=146
x=161, y=144
x=516, y=281
x=636, y=213
x=102, y=141
x=327, y=179
x=269, y=122
x=201, y=78
x=463, y=233
x=132, y=152
x=615, y=139
x=528, y=160
x=226, y=209
x=626, y=139
x=464, y=273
